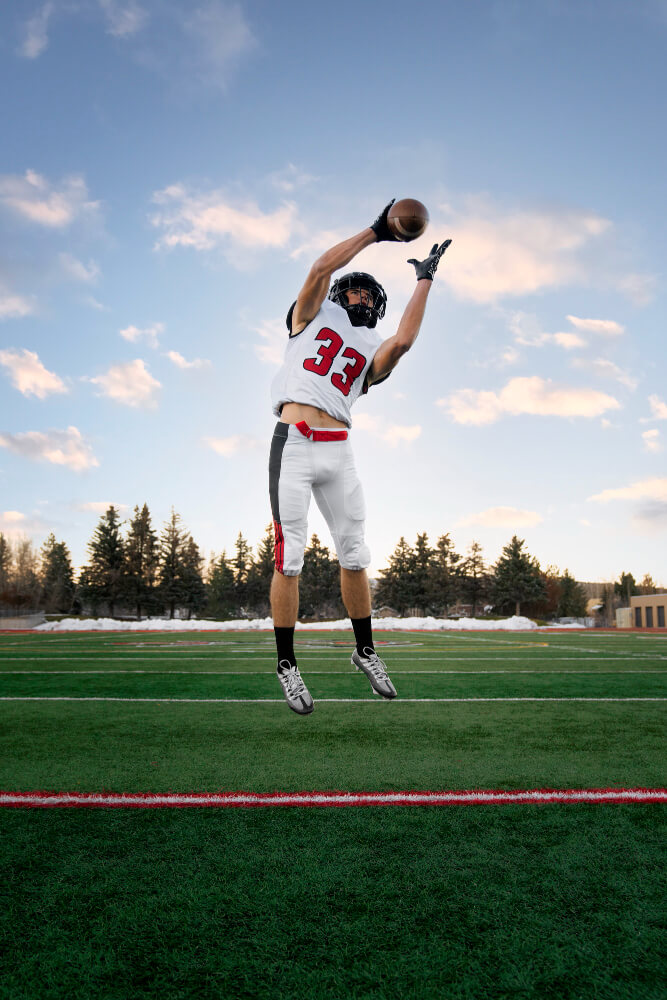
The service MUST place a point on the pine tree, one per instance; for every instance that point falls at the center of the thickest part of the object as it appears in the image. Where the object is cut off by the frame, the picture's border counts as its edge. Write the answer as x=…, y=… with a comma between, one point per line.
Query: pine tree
x=474, y=579
x=5, y=569
x=57, y=576
x=260, y=575
x=221, y=591
x=572, y=603
x=626, y=587
x=103, y=579
x=516, y=578
x=445, y=575
x=647, y=586
x=171, y=585
x=395, y=582
x=241, y=566
x=422, y=574
x=553, y=585
x=608, y=603
x=25, y=586
x=141, y=551
x=194, y=589
x=319, y=586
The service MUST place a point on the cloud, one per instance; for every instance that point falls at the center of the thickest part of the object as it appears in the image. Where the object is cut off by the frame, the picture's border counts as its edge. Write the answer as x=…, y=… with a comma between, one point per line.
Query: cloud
x=391, y=434
x=652, y=441
x=100, y=506
x=12, y=516
x=290, y=178
x=510, y=356
x=606, y=369
x=149, y=333
x=658, y=409
x=231, y=445
x=34, y=198
x=569, y=341
x=58, y=447
x=529, y=395
x=91, y=301
x=499, y=253
x=496, y=252
x=653, y=514
x=123, y=20
x=646, y=489
x=503, y=517
x=205, y=220
x=605, y=327
x=180, y=361
x=35, y=33
x=15, y=524
x=77, y=270
x=219, y=36
x=274, y=336
x=527, y=332
x=130, y=384
x=639, y=288
x=14, y=306
x=29, y=375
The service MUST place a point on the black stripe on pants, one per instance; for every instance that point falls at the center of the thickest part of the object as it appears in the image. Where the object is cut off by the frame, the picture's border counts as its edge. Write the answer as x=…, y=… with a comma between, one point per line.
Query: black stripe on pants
x=275, y=461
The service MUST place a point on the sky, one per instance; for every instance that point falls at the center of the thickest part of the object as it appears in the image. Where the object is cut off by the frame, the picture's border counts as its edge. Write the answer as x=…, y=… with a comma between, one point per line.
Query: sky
x=170, y=171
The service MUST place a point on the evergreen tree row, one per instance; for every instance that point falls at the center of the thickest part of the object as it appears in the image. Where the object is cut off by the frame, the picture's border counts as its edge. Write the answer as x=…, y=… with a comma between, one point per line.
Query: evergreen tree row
x=131, y=570
x=434, y=580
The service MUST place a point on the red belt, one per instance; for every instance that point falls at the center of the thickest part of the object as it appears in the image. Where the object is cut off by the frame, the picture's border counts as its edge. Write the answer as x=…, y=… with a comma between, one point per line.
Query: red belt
x=320, y=435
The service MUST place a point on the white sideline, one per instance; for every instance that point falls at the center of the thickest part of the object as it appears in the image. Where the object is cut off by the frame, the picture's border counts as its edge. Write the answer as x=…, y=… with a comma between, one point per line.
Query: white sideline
x=148, y=800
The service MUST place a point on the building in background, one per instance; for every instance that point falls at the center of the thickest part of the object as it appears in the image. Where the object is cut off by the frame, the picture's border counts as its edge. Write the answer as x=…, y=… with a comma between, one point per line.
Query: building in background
x=648, y=610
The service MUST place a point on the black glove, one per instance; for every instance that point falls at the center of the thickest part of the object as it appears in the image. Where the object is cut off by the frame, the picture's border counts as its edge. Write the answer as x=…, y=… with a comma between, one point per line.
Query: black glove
x=427, y=268
x=381, y=229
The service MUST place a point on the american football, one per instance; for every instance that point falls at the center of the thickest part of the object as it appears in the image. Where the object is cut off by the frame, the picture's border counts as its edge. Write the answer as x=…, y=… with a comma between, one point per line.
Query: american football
x=407, y=219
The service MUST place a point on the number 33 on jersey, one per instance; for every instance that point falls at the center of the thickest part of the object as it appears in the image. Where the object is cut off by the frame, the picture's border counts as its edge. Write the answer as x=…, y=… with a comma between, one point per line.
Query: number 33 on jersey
x=326, y=364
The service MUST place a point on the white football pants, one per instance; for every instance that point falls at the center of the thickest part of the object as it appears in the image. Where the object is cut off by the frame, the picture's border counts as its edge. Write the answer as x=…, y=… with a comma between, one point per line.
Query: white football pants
x=300, y=466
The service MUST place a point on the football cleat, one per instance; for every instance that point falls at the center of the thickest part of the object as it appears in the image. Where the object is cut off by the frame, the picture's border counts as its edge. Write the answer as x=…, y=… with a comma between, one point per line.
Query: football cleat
x=376, y=671
x=296, y=693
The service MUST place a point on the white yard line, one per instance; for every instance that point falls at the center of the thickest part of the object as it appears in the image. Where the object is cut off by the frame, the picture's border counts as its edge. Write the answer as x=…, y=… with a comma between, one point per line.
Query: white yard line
x=341, y=673
x=271, y=701
x=262, y=659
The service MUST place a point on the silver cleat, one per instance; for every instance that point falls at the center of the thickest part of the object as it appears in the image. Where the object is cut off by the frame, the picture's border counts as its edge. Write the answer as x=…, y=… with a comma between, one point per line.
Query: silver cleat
x=296, y=693
x=376, y=671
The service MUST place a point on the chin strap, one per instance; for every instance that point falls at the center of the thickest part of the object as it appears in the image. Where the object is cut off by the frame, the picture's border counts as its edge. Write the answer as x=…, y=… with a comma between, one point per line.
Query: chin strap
x=360, y=316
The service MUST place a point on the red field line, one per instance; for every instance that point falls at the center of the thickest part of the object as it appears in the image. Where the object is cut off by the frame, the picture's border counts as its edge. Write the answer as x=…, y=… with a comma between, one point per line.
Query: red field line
x=248, y=800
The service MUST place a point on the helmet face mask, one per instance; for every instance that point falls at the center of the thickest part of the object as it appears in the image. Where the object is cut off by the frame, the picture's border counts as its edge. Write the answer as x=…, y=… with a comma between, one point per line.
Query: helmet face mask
x=360, y=314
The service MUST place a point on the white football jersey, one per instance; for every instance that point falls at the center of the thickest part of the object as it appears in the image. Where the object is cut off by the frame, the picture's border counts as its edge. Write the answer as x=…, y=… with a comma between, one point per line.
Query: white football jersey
x=326, y=364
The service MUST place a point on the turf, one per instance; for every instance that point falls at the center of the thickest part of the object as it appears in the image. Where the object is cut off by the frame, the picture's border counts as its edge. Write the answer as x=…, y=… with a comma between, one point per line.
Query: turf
x=484, y=902
x=496, y=902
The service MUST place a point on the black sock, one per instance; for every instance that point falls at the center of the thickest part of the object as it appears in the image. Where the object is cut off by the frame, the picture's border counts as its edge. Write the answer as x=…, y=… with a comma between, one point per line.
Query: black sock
x=285, y=644
x=363, y=633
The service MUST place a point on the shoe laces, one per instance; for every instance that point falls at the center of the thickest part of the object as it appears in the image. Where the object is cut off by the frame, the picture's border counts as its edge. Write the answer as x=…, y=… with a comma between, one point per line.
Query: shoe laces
x=293, y=682
x=376, y=665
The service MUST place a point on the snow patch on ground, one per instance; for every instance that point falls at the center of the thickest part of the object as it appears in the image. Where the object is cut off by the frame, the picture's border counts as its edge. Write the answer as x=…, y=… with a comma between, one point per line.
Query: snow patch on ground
x=514, y=624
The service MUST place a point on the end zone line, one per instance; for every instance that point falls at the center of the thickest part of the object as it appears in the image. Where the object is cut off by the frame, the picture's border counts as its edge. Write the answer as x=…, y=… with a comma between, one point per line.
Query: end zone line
x=281, y=701
x=147, y=800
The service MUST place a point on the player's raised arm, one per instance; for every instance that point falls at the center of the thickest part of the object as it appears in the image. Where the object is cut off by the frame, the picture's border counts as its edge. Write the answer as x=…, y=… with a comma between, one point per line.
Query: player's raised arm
x=390, y=352
x=316, y=285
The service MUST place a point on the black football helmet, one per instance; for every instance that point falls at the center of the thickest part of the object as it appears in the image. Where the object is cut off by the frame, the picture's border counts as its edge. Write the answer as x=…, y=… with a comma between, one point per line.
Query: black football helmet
x=358, y=314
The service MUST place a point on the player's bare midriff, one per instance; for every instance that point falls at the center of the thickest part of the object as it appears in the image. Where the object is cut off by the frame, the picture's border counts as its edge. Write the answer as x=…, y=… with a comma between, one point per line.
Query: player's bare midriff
x=293, y=413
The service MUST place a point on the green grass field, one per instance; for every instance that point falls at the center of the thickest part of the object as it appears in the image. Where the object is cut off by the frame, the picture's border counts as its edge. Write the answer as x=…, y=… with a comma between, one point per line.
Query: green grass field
x=490, y=901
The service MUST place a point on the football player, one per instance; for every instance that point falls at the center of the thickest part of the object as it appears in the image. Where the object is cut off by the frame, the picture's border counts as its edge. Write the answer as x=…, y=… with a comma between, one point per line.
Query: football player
x=334, y=354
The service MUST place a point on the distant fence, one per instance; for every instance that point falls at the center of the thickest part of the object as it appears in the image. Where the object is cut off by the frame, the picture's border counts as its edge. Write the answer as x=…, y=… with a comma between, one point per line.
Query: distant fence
x=22, y=621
